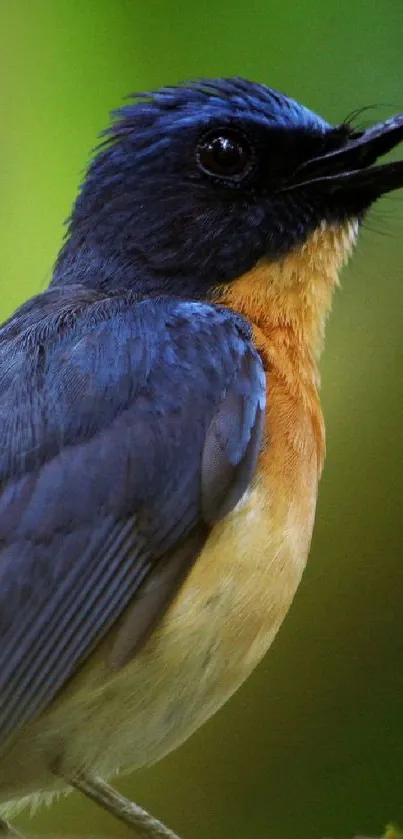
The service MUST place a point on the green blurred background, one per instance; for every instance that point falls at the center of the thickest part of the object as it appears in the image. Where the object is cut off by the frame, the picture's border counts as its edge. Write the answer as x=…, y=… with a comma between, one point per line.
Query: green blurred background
x=311, y=746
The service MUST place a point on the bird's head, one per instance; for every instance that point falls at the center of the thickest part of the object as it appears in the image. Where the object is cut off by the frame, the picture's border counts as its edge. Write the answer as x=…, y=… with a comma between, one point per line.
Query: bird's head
x=218, y=185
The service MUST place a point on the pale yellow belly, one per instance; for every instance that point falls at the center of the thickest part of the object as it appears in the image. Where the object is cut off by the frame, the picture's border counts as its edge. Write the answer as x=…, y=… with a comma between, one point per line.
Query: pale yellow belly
x=216, y=631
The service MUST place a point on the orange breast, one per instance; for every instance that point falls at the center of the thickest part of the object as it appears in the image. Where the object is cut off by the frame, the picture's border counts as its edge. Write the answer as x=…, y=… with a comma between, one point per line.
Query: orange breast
x=226, y=613
x=234, y=600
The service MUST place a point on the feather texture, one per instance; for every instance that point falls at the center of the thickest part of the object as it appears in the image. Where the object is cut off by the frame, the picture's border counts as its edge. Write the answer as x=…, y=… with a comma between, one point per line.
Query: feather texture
x=128, y=428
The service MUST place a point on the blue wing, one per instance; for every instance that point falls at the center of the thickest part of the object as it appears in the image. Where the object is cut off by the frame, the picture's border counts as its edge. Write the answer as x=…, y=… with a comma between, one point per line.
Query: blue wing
x=128, y=428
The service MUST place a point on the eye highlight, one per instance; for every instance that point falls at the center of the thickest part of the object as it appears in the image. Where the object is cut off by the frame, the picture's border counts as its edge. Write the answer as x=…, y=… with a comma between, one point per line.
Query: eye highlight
x=225, y=153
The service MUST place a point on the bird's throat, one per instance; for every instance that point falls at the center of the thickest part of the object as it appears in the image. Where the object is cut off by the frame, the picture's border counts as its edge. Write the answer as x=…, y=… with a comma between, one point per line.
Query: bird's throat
x=289, y=300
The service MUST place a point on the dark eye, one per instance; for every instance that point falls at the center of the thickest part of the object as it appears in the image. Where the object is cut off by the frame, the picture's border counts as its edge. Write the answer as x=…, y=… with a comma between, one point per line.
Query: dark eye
x=225, y=153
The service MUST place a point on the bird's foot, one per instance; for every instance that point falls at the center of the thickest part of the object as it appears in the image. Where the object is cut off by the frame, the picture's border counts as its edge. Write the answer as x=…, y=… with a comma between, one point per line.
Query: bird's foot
x=134, y=817
x=7, y=830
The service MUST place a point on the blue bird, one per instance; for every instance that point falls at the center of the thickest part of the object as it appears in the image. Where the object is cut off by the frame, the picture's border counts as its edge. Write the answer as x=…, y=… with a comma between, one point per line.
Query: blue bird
x=162, y=434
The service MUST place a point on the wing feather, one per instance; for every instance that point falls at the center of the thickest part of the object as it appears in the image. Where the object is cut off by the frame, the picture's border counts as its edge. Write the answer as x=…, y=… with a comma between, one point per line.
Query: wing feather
x=129, y=428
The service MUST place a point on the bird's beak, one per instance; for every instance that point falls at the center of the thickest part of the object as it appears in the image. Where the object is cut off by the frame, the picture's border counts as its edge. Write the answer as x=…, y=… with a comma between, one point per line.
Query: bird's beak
x=351, y=166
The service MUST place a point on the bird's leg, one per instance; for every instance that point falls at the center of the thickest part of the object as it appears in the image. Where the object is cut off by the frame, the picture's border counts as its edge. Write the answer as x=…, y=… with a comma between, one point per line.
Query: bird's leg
x=144, y=824
x=7, y=830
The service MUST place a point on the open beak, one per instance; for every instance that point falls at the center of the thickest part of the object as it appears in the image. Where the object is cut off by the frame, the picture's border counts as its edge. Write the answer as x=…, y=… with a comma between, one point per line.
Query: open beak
x=351, y=166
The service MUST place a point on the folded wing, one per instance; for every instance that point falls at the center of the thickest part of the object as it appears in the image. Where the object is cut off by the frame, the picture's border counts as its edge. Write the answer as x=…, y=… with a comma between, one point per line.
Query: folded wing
x=128, y=429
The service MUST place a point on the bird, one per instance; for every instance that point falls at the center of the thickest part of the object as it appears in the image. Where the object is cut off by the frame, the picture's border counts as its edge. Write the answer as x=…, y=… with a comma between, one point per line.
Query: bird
x=162, y=432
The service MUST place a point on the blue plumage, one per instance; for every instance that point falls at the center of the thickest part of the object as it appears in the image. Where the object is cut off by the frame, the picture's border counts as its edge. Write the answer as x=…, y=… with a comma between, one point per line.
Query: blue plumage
x=131, y=412
x=148, y=218
x=131, y=422
x=117, y=444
